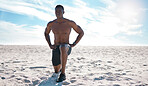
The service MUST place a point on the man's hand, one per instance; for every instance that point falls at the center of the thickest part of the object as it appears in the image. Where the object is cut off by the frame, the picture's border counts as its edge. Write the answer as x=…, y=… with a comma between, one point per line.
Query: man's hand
x=52, y=46
x=72, y=45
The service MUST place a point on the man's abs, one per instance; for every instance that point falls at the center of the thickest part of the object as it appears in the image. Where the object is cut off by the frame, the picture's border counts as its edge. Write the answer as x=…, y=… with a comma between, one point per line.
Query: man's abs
x=61, y=39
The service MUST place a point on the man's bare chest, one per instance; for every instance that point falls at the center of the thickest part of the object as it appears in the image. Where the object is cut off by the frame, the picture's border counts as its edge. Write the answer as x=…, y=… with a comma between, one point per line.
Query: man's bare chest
x=61, y=28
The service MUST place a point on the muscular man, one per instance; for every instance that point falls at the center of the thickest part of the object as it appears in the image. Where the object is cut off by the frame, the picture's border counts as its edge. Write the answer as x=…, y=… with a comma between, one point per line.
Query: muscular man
x=61, y=28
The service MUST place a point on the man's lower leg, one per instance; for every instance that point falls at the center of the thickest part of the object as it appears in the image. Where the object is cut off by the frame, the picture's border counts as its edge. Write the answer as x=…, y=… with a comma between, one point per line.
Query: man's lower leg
x=57, y=68
x=64, y=56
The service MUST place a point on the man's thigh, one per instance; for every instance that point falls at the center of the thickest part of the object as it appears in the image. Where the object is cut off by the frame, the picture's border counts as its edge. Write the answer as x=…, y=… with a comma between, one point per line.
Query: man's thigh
x=64, y=48
x=56, y=56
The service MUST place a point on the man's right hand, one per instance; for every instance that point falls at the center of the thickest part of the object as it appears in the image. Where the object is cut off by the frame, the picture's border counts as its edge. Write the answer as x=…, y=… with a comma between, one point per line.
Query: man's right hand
x=52, y=46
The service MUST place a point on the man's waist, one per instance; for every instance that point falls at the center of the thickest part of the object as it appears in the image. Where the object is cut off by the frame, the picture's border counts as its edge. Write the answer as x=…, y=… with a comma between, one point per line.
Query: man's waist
x=63, y=44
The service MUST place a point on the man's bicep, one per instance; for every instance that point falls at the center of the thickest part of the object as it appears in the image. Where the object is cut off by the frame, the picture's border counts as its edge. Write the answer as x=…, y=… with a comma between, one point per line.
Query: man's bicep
x=73, y=25
x=78, y=29
x=48, y=28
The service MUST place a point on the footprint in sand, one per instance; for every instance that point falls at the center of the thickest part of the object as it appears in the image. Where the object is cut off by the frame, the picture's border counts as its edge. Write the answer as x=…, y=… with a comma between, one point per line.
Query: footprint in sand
x=16, y=62
x=128, y=71
x=73, y=77
x=126, y=78
x=111, y=79
x=12, y=76
x=1, y=71
x=24, y=76
x=26, y=81
x=100, y=78
x=119, y=74
x=72, y=81
x=109, y=61
x=91, y=74
x=144, y=65
x=65, y=83
x=119, y=70
x=3, y=78
x=18, y=78
x=116, y=85
x=80, y=84
x=109, y=73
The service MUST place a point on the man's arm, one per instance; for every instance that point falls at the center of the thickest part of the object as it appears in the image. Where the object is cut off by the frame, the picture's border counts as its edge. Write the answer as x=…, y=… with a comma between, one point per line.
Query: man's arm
x=78, y=29
x=47, y=36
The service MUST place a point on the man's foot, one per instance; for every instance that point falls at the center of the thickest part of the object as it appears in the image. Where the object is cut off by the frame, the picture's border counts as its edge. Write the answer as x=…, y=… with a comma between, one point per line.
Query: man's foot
x=61, y=78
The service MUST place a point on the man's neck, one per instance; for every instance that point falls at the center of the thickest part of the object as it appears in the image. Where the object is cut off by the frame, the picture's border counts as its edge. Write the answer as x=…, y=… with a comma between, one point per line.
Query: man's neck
x=60, y=20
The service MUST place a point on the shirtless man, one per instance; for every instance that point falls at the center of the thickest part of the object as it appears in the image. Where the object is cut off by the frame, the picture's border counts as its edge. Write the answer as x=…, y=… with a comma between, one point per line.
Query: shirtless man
x=61, y=28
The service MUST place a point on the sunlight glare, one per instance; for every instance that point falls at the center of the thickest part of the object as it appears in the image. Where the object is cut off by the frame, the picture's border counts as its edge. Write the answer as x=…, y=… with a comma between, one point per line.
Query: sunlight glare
x=129, y=9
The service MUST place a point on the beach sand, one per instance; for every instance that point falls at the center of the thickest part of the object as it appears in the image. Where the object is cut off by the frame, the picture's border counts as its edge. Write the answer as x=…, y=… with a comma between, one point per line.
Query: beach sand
x=86, y=66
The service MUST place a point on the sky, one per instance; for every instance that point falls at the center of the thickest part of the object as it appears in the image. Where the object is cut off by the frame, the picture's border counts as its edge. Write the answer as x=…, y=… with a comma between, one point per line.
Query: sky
x=104, y=22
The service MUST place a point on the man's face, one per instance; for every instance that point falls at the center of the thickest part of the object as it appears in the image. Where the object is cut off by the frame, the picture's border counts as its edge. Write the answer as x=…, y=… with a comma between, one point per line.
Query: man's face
x=59, y=12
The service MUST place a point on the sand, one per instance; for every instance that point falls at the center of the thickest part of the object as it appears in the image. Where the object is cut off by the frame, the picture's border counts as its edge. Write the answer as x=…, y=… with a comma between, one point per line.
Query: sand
x=86, y=66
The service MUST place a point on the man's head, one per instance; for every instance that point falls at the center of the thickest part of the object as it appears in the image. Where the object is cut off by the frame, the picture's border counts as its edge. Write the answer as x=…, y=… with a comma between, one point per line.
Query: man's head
x=59, y=11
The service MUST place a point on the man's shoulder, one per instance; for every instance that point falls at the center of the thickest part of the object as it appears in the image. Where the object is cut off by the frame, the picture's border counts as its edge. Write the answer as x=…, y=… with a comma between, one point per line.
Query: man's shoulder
x=68, y=20
x=50, y=22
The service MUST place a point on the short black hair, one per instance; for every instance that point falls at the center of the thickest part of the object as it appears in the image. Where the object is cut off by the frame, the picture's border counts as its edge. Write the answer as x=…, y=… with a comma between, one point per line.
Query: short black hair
x=58, y=6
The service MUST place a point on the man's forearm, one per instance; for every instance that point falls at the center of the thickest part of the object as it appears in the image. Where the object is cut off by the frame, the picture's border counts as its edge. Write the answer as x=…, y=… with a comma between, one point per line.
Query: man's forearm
x=78, y=38
x=47, y=37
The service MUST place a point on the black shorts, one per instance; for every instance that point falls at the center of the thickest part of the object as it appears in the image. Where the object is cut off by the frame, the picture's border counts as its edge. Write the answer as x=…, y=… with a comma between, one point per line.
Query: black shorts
x=56, y=55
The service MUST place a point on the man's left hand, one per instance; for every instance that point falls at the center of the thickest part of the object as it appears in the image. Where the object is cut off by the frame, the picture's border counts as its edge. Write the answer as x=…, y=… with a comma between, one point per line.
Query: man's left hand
x=72, y=45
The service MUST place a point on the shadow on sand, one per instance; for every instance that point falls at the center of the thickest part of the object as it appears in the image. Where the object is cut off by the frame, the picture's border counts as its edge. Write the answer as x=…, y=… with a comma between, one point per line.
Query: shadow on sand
x=50, y=82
